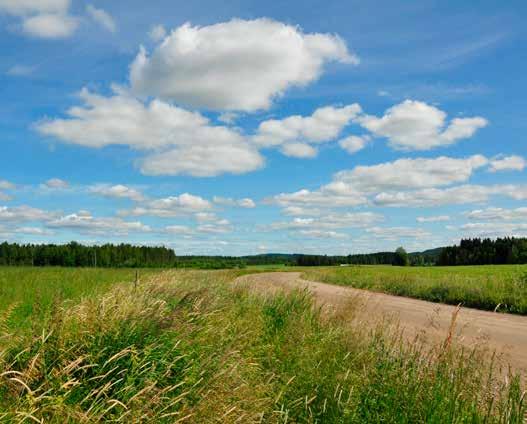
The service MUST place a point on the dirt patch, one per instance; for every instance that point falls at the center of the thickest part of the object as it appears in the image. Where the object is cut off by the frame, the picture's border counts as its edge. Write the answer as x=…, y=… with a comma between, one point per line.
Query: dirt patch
x=501, y=333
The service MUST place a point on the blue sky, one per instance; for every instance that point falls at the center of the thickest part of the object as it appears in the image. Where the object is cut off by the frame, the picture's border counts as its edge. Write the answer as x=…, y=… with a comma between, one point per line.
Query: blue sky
x=250, y=127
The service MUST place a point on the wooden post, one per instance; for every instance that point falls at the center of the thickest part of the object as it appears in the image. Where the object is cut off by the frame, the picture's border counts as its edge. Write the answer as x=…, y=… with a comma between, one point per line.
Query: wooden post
x=136, y=278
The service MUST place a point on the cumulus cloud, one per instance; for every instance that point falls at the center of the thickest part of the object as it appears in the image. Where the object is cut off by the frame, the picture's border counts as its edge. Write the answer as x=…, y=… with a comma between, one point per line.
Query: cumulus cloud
x=325, y=124
x=498, y=214
x=227, y=201
x=27, y=7
x=220, y=226
x=327, y=196
x=411, y=173
x=179, y=230
x=180, y=142
x=85, y=223
x=493, y=229
x=458, y=195
x=323, y=234
x=507, y=163
x=299, y=150
x=414, y=125
x=330, y=221
x=42, y=18
x=50, y=26
x=117, y=191
x=24, y=214
x=439, y=218
x=394, y=233
x=236, y=65
x=172, y=206
x=102, y=17
x=354, y=143
x=56, y=183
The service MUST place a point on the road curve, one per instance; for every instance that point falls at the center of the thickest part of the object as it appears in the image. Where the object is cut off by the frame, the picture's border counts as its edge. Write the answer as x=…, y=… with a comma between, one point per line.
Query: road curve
x=504, y=334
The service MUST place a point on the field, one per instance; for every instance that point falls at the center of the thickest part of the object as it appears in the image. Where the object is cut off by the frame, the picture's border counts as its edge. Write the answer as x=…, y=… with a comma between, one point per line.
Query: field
x=491, y=287
x=35, y=292
x=188, y=346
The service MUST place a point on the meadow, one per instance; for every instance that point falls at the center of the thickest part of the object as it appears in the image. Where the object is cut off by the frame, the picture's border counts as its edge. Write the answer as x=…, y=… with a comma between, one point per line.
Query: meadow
x=189, y=346
x=489, y=287
x=32, y=292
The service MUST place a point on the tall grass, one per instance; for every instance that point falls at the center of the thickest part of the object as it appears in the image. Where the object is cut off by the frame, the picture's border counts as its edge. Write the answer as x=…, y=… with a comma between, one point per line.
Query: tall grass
x=34, y=292
x=189, y=347
x=493, y=287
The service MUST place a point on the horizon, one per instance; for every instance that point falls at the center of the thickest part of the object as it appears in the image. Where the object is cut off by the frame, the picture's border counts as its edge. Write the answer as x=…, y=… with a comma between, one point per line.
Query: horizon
x=333, y=128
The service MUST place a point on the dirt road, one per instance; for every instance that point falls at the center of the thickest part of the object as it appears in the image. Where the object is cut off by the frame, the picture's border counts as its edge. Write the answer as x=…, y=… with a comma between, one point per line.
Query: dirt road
x=506, y=334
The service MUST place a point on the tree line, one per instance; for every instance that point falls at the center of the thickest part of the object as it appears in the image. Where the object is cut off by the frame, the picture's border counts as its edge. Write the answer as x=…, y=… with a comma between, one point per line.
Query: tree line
x=476, y=251
x=77, y=255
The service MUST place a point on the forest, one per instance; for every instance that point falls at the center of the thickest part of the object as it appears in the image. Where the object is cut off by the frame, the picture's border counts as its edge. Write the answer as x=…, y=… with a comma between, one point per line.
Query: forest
x=476, y=251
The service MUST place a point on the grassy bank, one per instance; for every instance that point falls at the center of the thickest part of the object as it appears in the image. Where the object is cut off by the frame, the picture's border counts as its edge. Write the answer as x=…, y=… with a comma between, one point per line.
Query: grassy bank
x=501, y=287
x=34, y=292
x=188, y=347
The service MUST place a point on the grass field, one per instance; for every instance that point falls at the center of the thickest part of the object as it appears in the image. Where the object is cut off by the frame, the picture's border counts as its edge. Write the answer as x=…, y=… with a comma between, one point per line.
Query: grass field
x=35, y=292
x=501, y=287
x=187, y=346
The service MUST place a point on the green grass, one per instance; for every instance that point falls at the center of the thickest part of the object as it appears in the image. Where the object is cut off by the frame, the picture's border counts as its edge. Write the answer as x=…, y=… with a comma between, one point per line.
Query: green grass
x=34, y=292
x=483, y=287
x=187, y=346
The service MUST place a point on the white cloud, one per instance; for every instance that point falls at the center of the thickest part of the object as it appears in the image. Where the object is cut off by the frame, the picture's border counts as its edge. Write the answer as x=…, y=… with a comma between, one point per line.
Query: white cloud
x=41, y=18
x=507, y=163
x=299, y=150
x=207, y=160
x=463, y=194
x=102, y=17
x=56, y=183
x=323, y=234
x=219, y=227
x=493, y=229
x=411, y=173
x=354, y=143
x=117, y=191
x=325, y=124
x=330, y=221
x=414, y=125
x=23, y=214
x=227, y=201
x=20, y=71
x=439, y=218
x=393, y=233
x=157, y=33
x=235, y=65
x=173, y=206
x=325, y=197
x=35, y=231
x=28, y=7
x=6, y=185
x=498, y=214
x=182, y=142
x=85, y=223
x=178, y=229
x=50, y=25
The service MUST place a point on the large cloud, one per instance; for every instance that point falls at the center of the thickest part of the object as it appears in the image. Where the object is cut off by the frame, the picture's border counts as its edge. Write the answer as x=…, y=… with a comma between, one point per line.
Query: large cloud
x=172, y=206
x=181, y=142
x=235, y=65
x=42, y=18
x=411, y=173
x=414, y=125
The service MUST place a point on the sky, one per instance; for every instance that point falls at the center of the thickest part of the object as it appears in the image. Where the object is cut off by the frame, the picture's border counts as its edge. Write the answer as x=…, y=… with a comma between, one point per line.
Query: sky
x=247, y=127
